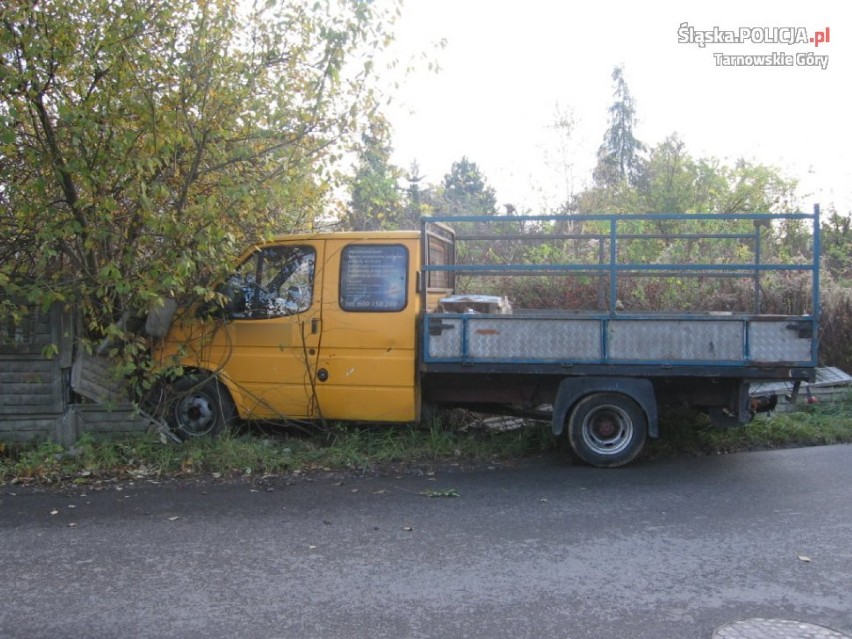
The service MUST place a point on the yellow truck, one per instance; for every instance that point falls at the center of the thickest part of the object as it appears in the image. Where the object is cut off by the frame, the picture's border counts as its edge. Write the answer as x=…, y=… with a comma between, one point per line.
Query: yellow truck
x=382, y=326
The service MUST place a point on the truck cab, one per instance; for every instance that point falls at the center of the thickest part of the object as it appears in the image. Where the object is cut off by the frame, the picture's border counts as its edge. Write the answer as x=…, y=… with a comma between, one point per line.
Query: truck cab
x=317, y=326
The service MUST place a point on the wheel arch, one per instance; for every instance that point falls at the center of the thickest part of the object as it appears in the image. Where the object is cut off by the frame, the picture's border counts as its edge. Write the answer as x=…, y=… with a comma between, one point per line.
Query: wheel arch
x=572, y=389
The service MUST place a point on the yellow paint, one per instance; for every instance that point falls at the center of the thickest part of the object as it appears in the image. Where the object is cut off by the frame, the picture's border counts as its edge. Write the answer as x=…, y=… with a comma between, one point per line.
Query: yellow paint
x=271, y=365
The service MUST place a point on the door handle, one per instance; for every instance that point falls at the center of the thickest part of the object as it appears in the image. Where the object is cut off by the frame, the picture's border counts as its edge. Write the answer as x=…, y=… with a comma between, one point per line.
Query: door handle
x=315, y=325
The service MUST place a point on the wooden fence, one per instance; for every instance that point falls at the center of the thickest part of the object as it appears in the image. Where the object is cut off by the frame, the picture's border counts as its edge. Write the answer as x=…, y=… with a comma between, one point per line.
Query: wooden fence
x=50, y=397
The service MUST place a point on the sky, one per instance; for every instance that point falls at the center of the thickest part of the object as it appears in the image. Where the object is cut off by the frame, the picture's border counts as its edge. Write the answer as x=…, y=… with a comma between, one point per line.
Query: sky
x=509, y=67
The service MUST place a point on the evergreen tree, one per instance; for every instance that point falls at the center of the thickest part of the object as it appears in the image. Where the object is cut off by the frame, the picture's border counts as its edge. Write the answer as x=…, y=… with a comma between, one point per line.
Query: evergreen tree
x=466, y=191
x=375, y=201
x=619, y=157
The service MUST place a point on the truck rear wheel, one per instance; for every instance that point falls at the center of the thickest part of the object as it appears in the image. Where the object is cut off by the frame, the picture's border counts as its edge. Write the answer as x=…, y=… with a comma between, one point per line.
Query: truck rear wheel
x=201, y=407
x=607, y=429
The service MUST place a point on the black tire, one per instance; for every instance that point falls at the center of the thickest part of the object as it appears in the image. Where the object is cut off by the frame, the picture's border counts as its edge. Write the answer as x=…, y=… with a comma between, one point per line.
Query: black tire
x=200, y=407
x=607, y=430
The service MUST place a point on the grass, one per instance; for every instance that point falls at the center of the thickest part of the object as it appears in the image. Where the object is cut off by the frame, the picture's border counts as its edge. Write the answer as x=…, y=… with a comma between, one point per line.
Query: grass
x=815, y=425
x=351, y=448
x=258, y=454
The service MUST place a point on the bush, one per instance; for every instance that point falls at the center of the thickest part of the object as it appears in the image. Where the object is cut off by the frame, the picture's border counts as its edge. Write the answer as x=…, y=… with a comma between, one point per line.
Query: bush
x=835, y=346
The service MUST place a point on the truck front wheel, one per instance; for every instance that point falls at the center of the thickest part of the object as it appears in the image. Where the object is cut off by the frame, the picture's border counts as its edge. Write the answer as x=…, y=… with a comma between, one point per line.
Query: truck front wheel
x=607, y=429
x=201, y=407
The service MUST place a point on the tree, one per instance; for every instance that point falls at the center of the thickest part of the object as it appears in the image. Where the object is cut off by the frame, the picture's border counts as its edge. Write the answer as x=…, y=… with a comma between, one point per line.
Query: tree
x=414, y=205
x=466, y=191
x=837, y=245
x=563, y=150
x=619, y=157
x=144, y=141
x=376, y=202
x=676, y=182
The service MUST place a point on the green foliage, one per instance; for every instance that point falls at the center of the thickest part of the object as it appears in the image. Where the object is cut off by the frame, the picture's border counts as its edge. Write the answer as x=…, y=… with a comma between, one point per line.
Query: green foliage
x=619, y=157
x=414, y=206
x=94, y=461
x=835, y=346
x=376, y=202
x=675, y=182
x=145, y=142
x=836, y=292
x=837, y=246
x=690, y=433
x=466, y=191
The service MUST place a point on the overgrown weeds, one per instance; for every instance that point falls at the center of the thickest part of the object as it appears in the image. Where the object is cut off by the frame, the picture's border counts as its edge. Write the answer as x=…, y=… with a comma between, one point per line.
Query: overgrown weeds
x=348, y=448
x=344, y=448
x=688, y=433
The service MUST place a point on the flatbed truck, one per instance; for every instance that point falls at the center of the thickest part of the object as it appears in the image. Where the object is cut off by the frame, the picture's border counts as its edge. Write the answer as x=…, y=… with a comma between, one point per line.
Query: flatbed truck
x=386, y=326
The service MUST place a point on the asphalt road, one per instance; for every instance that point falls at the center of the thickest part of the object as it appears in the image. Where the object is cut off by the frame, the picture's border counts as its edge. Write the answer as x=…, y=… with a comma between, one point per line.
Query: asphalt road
x=668, y=549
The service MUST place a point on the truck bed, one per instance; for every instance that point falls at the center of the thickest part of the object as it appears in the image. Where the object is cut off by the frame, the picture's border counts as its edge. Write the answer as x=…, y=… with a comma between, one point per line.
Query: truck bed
x=615, y=256
x=741, y=344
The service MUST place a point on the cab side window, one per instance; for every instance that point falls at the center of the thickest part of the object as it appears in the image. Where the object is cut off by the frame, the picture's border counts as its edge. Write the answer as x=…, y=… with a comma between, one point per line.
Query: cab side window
x=374, y=278
x=274, y=282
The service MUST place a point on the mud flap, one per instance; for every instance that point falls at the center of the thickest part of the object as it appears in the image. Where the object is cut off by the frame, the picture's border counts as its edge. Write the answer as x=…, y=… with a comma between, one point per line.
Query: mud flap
x=747, y=406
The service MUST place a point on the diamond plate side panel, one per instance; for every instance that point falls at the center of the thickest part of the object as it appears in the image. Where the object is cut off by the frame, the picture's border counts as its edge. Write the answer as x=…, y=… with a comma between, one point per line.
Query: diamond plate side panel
x=534, y=339
x=774, y=342
x=448, y=344
x=775, y=629
x=676, y=340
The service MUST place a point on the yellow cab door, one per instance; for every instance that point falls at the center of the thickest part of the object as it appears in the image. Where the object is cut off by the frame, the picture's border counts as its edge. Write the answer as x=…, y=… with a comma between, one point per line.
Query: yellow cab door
x=367, y=360
x=272, y=332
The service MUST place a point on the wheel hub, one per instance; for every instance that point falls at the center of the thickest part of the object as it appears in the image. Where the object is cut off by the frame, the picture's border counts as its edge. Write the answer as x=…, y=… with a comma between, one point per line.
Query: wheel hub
x=605, y=428
x=608, y=430
x=196, y=415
